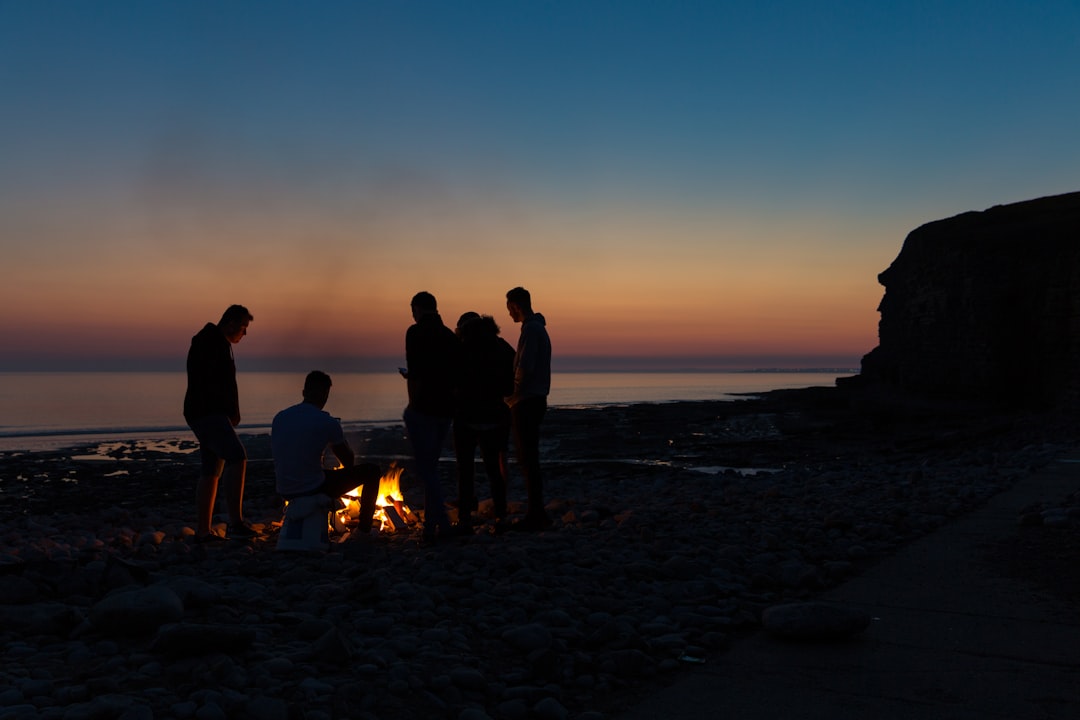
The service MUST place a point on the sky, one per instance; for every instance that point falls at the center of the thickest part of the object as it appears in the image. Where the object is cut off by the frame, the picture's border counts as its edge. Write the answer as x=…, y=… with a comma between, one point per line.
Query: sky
x=680, y=185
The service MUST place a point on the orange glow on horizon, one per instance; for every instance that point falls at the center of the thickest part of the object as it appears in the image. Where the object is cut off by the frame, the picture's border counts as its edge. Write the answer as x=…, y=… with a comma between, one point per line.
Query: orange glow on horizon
x=609, y=283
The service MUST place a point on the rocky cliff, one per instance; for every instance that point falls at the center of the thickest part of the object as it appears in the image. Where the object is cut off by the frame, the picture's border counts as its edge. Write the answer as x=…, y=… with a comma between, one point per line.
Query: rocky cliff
x=985, y=306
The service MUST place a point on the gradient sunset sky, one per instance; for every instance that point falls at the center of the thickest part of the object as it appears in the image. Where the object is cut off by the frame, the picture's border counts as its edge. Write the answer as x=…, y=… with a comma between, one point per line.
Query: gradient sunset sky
x=679, y=184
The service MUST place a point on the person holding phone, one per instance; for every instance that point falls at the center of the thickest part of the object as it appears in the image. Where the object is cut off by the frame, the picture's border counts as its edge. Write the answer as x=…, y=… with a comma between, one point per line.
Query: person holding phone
x=431, y=357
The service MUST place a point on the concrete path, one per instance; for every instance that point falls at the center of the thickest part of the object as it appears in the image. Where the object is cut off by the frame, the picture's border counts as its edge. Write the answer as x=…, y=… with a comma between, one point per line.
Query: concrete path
x=952, y=637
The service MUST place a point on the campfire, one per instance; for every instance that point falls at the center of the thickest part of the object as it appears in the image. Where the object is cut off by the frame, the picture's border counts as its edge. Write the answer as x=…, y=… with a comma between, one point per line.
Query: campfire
x=391, y=512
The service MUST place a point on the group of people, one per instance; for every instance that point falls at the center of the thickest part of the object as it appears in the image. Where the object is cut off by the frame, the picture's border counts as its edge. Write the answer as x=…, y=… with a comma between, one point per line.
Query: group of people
x=469, y=379
x=473, y=381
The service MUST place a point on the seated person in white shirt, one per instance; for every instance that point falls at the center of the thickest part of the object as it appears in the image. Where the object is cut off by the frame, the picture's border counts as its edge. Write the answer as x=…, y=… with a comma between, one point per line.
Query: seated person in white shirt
x=299, y=437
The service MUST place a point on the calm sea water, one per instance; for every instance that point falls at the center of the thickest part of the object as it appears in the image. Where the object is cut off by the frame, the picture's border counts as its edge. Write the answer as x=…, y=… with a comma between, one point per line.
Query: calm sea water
x=43, y=410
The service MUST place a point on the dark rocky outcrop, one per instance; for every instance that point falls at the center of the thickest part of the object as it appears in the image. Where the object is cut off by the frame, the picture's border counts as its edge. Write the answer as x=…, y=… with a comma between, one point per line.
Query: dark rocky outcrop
x=985, y=307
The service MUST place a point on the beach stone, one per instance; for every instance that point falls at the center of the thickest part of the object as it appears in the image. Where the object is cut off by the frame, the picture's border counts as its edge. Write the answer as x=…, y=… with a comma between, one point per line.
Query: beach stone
x=468, y=678
x=528, y=637
x=266, y=708
x=17, y=591
x=134, y=612
x=1055, y=517
x=211, y=711
x=814, y=621
x=332, y=647
x=11, y=696
x=112, y=705
x=681, y=568
x=193, y=592
x=550, y=709
x=192, y=639
x=629, y=663
x=47, y=618
x=183, y=710
x=513, y=709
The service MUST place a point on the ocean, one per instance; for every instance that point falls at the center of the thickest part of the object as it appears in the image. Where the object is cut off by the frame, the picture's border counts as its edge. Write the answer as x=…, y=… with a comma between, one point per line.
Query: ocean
x=46, y=410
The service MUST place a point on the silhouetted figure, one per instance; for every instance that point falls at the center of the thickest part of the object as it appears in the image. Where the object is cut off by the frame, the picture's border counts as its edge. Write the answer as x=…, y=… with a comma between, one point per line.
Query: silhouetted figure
x=483, y=418
x=431, y=357
x=212, y=411
x=528, y=403
x=299, y=437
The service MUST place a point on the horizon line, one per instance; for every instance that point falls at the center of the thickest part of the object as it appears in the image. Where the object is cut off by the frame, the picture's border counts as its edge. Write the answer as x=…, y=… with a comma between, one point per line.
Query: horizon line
x=563, y=364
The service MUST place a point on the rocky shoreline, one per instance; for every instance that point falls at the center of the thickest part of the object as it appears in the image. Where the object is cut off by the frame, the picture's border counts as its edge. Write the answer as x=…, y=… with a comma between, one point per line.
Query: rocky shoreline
x=677, y=525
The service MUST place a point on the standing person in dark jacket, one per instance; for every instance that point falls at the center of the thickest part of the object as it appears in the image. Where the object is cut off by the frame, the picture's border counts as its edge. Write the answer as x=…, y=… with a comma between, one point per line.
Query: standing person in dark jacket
x=431, y=356
x=212, y=411
x=528, y=403
x=482, y=419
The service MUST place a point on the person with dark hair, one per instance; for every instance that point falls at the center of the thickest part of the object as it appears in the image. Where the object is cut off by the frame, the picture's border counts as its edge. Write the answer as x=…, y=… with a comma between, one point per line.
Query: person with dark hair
x=431, y=358
x=528, y=402
x=482, y=418
x=299, y=437
x=212, y=411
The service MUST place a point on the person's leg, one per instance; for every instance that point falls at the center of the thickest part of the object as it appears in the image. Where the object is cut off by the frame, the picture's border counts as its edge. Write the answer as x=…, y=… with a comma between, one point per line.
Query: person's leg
x=493, y=443
x=234, y=477
x=527, y=416
x=365, y=476
x=232, y=452
x=206, y=493
x=220, y=448
x=369, y=475
x=427, y=434
x=465, y=438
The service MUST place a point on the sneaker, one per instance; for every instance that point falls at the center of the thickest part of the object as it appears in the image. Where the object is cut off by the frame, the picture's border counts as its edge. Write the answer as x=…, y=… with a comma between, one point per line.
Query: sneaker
x=209, y=537
x=240, y=532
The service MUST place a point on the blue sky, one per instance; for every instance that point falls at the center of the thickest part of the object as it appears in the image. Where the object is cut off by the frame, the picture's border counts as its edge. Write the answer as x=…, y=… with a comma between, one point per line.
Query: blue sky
x=686, y=179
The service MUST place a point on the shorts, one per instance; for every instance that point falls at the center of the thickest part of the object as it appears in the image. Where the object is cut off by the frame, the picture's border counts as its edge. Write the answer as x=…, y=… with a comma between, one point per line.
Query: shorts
x=218, y=443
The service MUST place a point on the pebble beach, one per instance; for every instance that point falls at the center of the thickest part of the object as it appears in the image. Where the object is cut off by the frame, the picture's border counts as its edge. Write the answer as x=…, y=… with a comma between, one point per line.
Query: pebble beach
x=675, y=527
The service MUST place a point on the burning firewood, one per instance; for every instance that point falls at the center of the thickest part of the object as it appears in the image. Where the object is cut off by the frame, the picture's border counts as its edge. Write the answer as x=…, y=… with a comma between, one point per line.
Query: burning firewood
x=393, y=518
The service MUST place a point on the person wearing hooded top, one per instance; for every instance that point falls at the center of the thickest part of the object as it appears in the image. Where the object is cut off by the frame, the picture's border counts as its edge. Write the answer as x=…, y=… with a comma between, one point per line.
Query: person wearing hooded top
x=212, y=411
x=528, y=402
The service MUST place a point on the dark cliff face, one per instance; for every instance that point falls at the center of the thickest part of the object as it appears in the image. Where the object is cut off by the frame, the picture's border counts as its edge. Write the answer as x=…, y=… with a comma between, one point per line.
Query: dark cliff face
x=985, y=307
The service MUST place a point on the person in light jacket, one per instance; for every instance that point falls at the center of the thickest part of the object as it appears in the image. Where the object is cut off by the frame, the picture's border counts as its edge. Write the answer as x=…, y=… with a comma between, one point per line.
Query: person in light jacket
x=528, y=403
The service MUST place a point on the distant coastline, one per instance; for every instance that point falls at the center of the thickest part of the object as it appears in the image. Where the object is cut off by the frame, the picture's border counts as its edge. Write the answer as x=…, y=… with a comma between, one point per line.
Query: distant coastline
x=56, y=404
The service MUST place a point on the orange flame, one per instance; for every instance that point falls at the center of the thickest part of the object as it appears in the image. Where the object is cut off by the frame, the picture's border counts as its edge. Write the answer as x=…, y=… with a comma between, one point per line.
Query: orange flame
x=389, y=491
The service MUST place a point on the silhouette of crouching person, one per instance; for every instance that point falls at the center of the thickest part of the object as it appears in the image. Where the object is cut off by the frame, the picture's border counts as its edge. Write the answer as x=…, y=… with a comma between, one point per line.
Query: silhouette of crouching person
x=300, y=435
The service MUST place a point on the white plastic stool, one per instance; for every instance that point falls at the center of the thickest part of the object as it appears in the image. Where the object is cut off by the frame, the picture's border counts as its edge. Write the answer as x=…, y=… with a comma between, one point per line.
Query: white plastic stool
x=306, y=524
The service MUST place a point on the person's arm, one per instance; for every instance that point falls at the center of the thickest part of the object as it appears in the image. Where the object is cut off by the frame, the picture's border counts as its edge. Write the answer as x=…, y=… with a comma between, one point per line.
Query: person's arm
x=344, y=453
x=524, y=362
x=412, y=361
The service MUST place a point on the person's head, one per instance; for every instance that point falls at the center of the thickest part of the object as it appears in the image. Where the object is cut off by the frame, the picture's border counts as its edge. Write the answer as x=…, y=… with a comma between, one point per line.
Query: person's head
x=317, y=388
x=423, y=303
x=465, y=319
x=234, y=322
x=518, y=303
x=479, y=329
